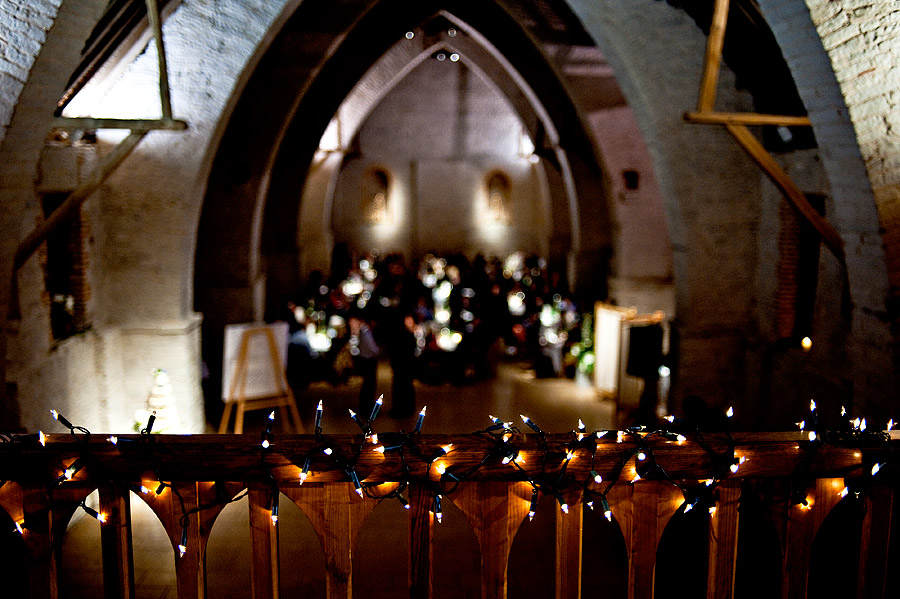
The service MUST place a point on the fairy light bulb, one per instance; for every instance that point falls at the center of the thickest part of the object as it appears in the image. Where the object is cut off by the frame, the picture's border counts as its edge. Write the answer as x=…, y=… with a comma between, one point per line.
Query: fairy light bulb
x=862, y=425
x=812, y=405
x=712, y=511
x=438, y=513
x=844, y=492
x=72, y=469
x=42, y=438
x=265, y=443
x=843, y=411
x=534, y=502
x=113, y=439
x=182, y=546
x=636, y=478
x=620, y=436
x=734, y=468
x=440, y=468
x=530, y=423
x=274, y=515
x=802, y=424
x=708, y=482
x=319, y=411
x=730, y=412
x=380, y=449
x=689, y=506
x=670, y=418
x=607, y=513
x=271, y=420
x=328, y=451
x=681, y=438
x=812, y=435
x=569, y=455
x=856, y=423
x=641, y=456
x=877, y=468
x=597, y=478
x=403, y=501
x=376, y=408
x=357, y=419
x=890, y=425
x=374, y=438
x=420, y=420
x=562, y=503
x=19, y=528
x=304, y=472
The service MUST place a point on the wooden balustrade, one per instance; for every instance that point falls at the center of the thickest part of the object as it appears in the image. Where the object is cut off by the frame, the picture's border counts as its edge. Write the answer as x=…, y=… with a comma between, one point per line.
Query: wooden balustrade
x=201, y=470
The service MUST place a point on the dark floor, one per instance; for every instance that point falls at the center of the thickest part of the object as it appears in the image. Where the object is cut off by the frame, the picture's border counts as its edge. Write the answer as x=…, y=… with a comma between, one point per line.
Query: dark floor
x=555, y=404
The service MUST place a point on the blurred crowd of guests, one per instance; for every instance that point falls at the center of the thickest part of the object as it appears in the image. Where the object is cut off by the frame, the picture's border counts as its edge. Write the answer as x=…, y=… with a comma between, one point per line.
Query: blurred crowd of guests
x=437, y=319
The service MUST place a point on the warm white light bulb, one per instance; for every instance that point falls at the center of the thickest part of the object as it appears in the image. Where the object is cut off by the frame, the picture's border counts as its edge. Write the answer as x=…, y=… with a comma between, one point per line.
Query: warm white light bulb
x=712, y=511
x=608, y=515
x=42, y=438
x=641, y=456
x=681, y=438
x=812, y=405
x=328, y=451
x=380, y=449
x=113, y=439
x=812, y=435
x=730, y=412
x=890, y=424
x=844, y=492
x=670, y=418
x=598, y=479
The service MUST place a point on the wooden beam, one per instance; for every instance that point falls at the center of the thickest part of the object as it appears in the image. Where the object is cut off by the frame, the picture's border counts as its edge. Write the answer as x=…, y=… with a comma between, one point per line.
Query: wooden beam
x=89, y=123
x=746, y=118
x=783, y=182
x=713, y=58
x=156, y=27
x=110, y=162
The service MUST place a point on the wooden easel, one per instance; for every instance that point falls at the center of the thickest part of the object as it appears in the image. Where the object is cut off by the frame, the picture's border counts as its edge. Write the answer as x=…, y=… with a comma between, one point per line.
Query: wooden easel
x=281, y=398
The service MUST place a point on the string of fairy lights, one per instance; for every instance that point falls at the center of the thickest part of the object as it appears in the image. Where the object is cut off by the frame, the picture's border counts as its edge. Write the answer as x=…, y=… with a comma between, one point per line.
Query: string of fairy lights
x=549, y=475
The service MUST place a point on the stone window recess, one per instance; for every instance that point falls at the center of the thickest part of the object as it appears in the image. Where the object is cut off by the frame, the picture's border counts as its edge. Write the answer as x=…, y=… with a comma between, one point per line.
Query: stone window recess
x=798, y=271
x=64, y=272
x=498, y=188
x=375, y=196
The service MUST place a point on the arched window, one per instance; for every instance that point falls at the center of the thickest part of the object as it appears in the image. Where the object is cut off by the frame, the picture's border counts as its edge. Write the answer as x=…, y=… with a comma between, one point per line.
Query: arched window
x=498, y=188
x=375, y=196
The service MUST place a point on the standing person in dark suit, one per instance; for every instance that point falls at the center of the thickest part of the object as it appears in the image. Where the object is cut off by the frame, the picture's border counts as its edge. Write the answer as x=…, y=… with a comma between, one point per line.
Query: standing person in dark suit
x=397, y=296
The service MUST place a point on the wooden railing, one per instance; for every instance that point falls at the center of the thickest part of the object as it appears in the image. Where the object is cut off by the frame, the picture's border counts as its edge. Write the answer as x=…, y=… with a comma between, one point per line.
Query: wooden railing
x=201, y=472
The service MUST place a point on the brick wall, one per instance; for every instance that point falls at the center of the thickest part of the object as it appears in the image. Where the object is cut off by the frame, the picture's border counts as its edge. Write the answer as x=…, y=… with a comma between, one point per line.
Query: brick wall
x=862, y=40
x=23, y=30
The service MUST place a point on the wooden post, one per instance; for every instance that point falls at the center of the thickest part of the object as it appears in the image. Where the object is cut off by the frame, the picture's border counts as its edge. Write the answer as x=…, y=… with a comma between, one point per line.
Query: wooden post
x=723, y=540
x=421, y=538
x=568, y=549
x=264, y=559
x=875, y=542
x=116, y=543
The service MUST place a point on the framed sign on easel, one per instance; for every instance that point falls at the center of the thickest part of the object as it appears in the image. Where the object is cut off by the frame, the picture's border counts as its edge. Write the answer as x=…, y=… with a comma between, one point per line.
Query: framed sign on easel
x=253, y=373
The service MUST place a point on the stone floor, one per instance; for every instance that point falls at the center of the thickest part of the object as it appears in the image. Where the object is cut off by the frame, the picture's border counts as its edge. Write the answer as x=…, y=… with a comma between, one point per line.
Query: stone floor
x=380, y=558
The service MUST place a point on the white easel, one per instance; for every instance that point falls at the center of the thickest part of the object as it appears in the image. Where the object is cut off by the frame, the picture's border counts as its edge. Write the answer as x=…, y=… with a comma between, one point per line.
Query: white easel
x=273, y=393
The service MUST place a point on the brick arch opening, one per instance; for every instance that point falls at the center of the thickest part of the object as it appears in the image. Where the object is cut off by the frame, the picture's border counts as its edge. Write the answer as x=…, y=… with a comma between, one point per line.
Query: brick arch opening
x=247, y=233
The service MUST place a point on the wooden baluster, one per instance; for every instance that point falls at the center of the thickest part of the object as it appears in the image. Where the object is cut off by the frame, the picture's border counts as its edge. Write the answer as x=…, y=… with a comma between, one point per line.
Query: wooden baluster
x=40, y=545
x=802, y=525
x=873, y=549
x=116, y=543
x=190, y=568
x=723, y=541
x=264, y=543
x=568, y=548
x=495, y=510
x=421, y=540
x=643, y=510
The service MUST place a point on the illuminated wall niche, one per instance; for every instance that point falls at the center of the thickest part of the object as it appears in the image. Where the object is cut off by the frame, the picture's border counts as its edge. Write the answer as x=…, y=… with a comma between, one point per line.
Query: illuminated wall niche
x=375, y=195
x=499, y=187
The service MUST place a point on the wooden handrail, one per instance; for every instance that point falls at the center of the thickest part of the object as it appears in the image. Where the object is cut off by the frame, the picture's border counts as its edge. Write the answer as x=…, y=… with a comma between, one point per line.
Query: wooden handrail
x=241, y=457
x=494, y=500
